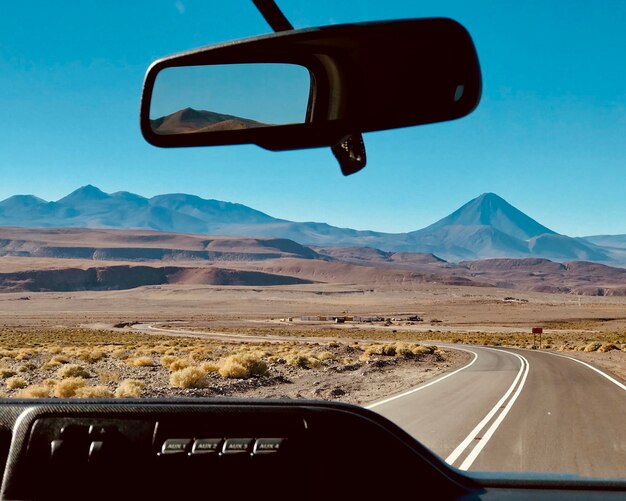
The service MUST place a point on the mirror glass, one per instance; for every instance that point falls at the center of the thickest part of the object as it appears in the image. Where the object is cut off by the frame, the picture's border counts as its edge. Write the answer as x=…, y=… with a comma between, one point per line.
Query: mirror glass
x=192, y=99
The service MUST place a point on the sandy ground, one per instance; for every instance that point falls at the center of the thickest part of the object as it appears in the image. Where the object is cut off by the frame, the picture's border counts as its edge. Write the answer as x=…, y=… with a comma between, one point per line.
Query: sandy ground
x=265, y=311
x=614, y=362
x=449, y=307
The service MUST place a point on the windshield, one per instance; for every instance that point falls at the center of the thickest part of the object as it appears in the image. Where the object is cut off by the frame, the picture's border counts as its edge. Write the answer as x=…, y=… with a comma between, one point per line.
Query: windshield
x=469, y=284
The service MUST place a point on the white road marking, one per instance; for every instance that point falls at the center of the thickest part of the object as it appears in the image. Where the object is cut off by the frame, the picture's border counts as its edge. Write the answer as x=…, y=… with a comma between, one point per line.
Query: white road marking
x=485, y=439
x=603, y=374
x=376, y=404
x=523, y=371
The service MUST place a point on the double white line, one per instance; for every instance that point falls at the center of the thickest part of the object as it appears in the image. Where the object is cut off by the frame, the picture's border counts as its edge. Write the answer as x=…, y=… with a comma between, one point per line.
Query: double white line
x=420, y=388
x=501, y=408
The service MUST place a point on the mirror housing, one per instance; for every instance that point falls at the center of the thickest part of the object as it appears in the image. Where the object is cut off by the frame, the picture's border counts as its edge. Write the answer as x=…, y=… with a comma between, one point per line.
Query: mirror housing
x=364, y=77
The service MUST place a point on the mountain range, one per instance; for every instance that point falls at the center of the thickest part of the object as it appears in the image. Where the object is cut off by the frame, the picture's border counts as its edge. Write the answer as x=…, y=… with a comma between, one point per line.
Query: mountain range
x=484, y=228
x=190, y=120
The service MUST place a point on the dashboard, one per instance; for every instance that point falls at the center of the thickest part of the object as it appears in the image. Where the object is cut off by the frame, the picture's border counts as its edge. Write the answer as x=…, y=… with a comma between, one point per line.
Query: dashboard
x=201, y=449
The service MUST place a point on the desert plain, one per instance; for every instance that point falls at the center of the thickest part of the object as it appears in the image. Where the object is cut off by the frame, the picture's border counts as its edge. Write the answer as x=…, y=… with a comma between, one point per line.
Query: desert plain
x=282, y=340
x=147, y=314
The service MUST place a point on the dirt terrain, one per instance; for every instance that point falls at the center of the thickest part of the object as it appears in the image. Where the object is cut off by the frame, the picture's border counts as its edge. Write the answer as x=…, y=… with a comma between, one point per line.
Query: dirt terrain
x=123, y=363
x=355, y=314
x=297, y=319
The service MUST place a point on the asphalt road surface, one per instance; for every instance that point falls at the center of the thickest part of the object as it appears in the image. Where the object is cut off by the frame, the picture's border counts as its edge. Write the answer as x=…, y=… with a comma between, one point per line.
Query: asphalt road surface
x=519, y=410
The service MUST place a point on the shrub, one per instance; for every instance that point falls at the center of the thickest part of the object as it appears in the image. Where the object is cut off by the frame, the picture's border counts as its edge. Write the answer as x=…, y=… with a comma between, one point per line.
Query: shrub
x=420, y=349
x=94, y=392
x=209, y=367
x=140, y=362
x=72, y=370
x=324, y=355
x=607, y=347
x=67, y=387
x=6, y=373
x=34, y=391
x=24, y=354
x=130, y=388
x=178, y=364
x=593, y=346
x=109, y=375
x=55, y=362
x=189, y=377
x=15, y=383
x=91, y=356
x=120, y=353
x=167, y=360
x=242, y=366
x=304, y=360
x=403, y=350
x=389, y=350
x=27, y=367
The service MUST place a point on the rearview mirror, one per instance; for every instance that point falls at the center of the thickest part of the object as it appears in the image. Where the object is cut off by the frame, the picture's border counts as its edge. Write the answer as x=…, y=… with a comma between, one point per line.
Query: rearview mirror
x=228, y=97
x=312, y=87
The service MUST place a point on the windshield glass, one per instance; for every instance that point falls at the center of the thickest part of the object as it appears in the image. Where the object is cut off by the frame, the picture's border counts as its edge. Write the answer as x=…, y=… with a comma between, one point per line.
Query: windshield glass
x=469, y=284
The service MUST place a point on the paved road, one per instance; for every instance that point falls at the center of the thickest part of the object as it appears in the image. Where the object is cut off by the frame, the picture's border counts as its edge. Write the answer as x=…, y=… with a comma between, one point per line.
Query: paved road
x=507, y=410
x=519, y=410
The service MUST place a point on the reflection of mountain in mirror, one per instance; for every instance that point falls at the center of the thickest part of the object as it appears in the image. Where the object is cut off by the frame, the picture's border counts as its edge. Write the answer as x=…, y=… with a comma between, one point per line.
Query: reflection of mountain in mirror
x=189, y=120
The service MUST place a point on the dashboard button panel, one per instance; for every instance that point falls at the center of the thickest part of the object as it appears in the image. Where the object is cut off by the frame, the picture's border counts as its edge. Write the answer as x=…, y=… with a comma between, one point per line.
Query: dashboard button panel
x=206, y=446
x=237, y=445
x=267, y=445
x=176, y=446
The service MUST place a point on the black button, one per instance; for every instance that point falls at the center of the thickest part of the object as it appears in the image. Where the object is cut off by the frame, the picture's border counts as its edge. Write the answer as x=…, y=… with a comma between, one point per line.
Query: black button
x=176, y=446
x=57, y=449
x=97, y=432
x=206, y=446
x=268, y=445
x=237, y=445
x=74, y=431
x=96, y=450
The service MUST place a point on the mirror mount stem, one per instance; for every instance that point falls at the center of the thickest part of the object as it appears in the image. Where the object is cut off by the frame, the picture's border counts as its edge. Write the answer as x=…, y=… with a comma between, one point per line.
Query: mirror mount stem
x=350, y=151
x=273, y=15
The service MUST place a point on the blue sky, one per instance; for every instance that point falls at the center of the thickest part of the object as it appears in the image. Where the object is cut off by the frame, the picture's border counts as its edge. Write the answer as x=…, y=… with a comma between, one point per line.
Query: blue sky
x=549, y=135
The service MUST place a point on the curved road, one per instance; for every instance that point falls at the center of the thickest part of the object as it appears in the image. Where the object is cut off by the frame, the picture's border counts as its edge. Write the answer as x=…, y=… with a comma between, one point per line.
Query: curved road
x=519, y=410
x=508, y=410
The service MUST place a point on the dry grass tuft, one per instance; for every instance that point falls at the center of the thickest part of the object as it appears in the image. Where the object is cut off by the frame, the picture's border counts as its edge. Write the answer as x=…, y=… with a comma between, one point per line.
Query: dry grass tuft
x=140, y=362
x=15, y=383
x=397, y=350
x=242, y=366
x=54, y=362
x=189, y=377
x=6, y=373
x=209, y=367
x=420, y=349
x=73, y=370
x=304, y=360
x=325, y=355
x=91, y=356
x=130, y=388
x=109, y=375
x=120, y=353
x=67, y=387
x=24, y=354
x=174, y=364
x=593, y=346
x=608, y=347
x=34, y=391
x=94, y=392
